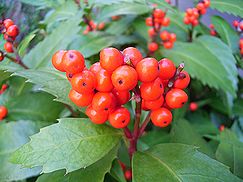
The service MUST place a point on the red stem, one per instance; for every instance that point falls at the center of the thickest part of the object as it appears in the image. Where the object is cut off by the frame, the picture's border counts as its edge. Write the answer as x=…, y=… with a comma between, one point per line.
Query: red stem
x=145, y=123
x=16, y=60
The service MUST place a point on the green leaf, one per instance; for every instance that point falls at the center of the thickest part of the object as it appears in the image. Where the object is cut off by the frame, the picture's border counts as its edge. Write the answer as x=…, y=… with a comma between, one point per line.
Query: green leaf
x=226, y=32
x=94, y=173
x=4, y=76
x=178, y=162
x=123, y=9
x=238, y=107
x=51, y=81
x=117, y=172
x=24, y=44
x=205, y=60
x=183, y=132
x=71, y=144
x=40, y=55
x=230, y=151
x=12, y=136
x=234, y=7
x=43, y=3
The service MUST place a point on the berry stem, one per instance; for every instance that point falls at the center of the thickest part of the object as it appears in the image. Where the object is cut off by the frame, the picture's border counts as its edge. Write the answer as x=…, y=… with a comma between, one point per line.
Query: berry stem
x=145, y=123
x=138, y=111
x=73, y=113
x=16, y=60
x=127, y=132
x=87, y=22
x=190, y=34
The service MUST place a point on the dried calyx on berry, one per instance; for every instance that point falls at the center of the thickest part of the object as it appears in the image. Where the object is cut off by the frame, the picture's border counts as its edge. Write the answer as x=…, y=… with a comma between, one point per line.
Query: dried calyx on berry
x=157, y=21
x=120, y=77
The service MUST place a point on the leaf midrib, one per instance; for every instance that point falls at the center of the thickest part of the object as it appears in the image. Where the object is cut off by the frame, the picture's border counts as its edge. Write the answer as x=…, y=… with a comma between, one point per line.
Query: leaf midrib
x=217, y=3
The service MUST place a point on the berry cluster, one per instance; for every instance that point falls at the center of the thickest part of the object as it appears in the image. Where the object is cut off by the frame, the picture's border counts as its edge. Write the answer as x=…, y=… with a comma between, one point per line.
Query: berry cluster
x=4, y=87
x=238, y=25
x=92, y=26
x=192, y=14
x=10, y=32
x=156, y=22
x=106, y=86
x=241, y=46
x=212, y=30
x=3, y=112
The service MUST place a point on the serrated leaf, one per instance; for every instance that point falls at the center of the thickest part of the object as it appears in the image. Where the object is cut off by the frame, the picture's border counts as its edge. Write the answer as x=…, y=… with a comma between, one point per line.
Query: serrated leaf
x=178, y=162
x=230, y=151
x=205, y=60
x=96, y=170
x=71, y=144
x=40, y=55
x=123, y=9
x=183, y=132
x=24, y=44
x=234, y=7
x=51, y=81
x=225, y=31
x=12, y=136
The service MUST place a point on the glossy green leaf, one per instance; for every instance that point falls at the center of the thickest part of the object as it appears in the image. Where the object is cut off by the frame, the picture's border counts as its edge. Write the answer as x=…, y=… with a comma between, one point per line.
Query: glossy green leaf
x=234, y=7
x=40, y=55
x=230, y=152
x=178, y=162
x=183, y=132
x=71, y=144
x=226, y=32
x=24, y=44
x=94, y=173
x=12, y=136
x=205, y=60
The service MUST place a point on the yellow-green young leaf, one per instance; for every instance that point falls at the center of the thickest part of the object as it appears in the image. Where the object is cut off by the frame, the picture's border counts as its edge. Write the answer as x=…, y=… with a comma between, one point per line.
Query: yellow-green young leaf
x=51, y=81
x=60, y=38
x=12, y=136
x=178, y=163
x=205, y=60
x=94, y=173
x=226, y=32
x=234, y=7
x=183, y=132
x=71, y=144
x=230, y=152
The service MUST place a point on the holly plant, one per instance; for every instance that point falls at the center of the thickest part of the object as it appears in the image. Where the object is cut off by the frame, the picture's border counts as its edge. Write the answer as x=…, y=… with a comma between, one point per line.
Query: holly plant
x=121, y=90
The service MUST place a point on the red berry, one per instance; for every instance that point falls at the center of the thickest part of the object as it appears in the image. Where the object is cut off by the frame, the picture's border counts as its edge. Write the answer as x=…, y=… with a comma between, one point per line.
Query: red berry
x=173, y=37
x=165, y=35
x=213, y=32
x=3, y=112
x=182, y=82
x=104, y=83
x=186, y=20
x=8, y=46
x=158, y=13
x=121, y=96
x=79, y=99
x=152, y=90
x=1, y=56
x=200, y=6
x=193, y=106
x=235, y=23
x=111, y=58
x=132, y=54
x=7, y=23
x=84, y=82
x=95, y=68
x=154, y=104
x=13, y=30
x=176, y=98
x=147, y=69
x=57, y=60
x=149, y=21
x=168, y=45
x=203, y=11
x=241, y=26
x=119, y=118
x=97, y=117
x=161, y=117
x=4, y=87
x=221, y=128
x=124, y=78
x=241, y=43
x=167, y=69
x=128, y=174
x=206, y=3
x=101, y=26
x=151, y=32
x=103, y=101
x=153, y=46
x=166, y=22
x=73, y=62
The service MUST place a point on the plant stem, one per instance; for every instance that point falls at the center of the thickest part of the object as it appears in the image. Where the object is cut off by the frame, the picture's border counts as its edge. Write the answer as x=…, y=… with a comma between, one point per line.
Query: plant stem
x=145, y=123
x=190, y=39
x=127, y=132
x=138, y=111
x=16, y=60
x=73, y=113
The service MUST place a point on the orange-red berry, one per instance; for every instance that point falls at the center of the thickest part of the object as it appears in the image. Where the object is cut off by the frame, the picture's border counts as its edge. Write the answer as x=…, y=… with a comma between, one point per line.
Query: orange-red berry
x=103, y=101
x=158, y=13
x=193, y=106
x=153, y=46
x=79, y=99
x=8, y=46
x=153, y=104
x=121, y=96
x=132, y=54
x=7, y=23
x=176, y=98
x=119, y=118
x=128, y=174
x=183, y=81
x=97, y=117
x=57, y=60
x=161, y=117
x=167, y=69
x=13, y=30
x=104, y=83
x=149, y=21
x=3, y=112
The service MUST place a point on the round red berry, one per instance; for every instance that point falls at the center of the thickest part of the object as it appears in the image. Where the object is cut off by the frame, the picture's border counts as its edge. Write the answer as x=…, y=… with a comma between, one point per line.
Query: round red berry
x=158, y=13
x=132, y=54
x=128, y=174
x=121, y=96
x=7, y=23
x=147, y=69
x=153, y=46
x=167, y=69
x=8, y=46
x=151, y=32
x=154, y=104
x=13, y=30
x=235, y=23
x=176, y=98
x=119, y=118
x=241, y=25
x=95, y=68
x=79, y=99
x=104, y=83
x=103, y=101
x=111, y=58
x=57, y=60
x=97, y=117
x=161, y=117
x=149, y=21
x=3, y=112
x=193, y=106
x=168, y=45
x=73, y=62
x=183, y=81
x=124, y=78
x=165, y=22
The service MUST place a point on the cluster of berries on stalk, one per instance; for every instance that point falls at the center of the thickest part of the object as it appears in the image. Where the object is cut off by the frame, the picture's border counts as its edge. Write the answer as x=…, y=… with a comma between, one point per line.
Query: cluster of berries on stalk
x=10, y=31
x=213, y=32
x=3, y=109
x=156, y=22
x=238, y=25
x=92, y=26
x=109, y=84
x=192, y=14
